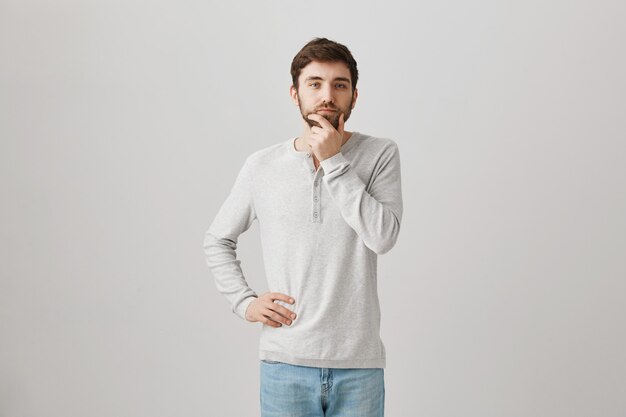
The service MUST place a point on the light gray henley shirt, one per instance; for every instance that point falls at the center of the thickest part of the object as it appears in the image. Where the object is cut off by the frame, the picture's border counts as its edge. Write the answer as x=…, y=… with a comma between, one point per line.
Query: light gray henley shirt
x=321, y=232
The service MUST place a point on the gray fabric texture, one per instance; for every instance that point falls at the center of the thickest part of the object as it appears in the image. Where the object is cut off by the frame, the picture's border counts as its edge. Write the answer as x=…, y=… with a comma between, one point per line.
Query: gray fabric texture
x=321, y=233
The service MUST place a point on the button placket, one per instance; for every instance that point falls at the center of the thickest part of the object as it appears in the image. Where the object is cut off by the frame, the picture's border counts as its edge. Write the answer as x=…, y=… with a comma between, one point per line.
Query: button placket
x=315, y=175
x=315, y=205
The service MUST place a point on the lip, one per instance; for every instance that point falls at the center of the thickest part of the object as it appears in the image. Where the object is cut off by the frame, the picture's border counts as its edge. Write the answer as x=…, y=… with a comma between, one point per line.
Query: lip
x=328, y=110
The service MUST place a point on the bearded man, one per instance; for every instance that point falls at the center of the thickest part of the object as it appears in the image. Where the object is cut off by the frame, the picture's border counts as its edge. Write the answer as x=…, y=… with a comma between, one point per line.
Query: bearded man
x=328, y=202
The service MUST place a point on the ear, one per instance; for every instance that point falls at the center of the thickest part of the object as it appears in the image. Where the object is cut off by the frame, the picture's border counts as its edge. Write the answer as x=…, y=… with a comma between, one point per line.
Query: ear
x=294, y=95
x=356, y=94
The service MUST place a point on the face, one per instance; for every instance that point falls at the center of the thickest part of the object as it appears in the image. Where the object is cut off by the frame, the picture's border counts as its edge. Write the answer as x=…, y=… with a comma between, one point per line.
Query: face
x=325, y=88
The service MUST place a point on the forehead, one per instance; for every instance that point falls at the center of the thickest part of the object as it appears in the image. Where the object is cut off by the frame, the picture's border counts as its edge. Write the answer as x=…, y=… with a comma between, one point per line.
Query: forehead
x=326, y=70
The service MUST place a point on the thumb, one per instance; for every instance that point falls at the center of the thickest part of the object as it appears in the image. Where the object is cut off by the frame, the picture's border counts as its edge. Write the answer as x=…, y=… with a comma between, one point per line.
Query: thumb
x=341, y=124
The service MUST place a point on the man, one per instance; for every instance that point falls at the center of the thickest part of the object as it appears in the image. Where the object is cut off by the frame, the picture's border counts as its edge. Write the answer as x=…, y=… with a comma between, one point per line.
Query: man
x=327, y=202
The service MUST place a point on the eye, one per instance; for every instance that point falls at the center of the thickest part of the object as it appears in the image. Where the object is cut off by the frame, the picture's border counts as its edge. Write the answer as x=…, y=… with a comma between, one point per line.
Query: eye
x=341, y=85
x=314, y=84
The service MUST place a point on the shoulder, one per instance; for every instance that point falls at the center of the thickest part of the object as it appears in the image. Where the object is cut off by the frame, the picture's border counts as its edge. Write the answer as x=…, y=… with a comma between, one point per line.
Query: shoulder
x=266, y=154
x=267, y=158
x=377, y=146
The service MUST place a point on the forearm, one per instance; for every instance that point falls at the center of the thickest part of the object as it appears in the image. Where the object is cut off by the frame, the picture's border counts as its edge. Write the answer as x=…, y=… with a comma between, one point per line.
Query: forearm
x=374, y=216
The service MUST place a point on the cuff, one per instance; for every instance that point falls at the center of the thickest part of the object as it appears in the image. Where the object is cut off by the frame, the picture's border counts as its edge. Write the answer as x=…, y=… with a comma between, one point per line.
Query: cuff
x=243, y=306
x=333, y=162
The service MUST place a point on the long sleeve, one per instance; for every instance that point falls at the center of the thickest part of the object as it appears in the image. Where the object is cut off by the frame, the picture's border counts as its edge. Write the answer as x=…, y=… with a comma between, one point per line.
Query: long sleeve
x=375, y=215
x=220, y=243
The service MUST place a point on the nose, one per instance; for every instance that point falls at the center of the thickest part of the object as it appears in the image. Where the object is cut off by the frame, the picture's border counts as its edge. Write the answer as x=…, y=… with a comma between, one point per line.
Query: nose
x=326, y=94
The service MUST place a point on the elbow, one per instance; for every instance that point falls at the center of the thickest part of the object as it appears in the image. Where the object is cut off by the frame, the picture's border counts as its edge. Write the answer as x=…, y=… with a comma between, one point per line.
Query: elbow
x=218, y=250
x=210, y=244
x=386, y=240
x=213, y=242
x=384, y=246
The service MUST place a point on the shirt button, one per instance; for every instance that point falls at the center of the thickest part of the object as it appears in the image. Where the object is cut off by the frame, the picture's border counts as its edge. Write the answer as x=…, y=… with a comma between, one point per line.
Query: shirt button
x=308, y=155
x=315, y=214
x=315, y=198
x=312, y=170
x=315, y=183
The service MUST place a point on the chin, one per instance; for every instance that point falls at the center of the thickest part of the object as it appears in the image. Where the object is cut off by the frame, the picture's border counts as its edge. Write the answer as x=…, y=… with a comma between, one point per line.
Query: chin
x=334, y=121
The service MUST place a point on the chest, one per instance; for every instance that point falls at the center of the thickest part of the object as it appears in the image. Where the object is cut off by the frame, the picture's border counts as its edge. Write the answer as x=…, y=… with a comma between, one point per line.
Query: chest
x=295, y=194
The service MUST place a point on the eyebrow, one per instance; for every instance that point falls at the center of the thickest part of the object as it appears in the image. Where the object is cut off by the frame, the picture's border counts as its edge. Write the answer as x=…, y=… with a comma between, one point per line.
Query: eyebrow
x=311, y=78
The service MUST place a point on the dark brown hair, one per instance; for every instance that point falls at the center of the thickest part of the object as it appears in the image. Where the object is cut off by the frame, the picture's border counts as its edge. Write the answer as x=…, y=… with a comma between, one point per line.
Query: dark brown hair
x=323, y=50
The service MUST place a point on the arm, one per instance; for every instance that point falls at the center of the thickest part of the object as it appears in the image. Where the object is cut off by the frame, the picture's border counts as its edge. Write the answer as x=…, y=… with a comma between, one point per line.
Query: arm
x=375, y=215
x=220, y=243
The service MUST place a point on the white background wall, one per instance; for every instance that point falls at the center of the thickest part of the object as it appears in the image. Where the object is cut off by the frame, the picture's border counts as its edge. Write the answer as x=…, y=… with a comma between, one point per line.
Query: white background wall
x=124, y=123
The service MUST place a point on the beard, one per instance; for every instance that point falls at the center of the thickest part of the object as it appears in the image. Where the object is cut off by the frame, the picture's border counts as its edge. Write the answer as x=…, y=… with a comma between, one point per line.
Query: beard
x=333, y=118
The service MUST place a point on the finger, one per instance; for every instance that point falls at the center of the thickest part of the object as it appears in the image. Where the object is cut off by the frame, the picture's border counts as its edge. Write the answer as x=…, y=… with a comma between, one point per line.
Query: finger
x=308, y=141
x=317, y=129
x=269, y=322
x=288, y=313
x=282, y=297
x=270, y=305
x=284, y=312
x=309, y=144
x=277, y=317
x=341, y=122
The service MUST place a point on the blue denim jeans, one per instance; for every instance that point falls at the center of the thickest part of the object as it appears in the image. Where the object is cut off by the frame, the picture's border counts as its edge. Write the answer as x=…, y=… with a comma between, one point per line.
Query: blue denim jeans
x=303, y=391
